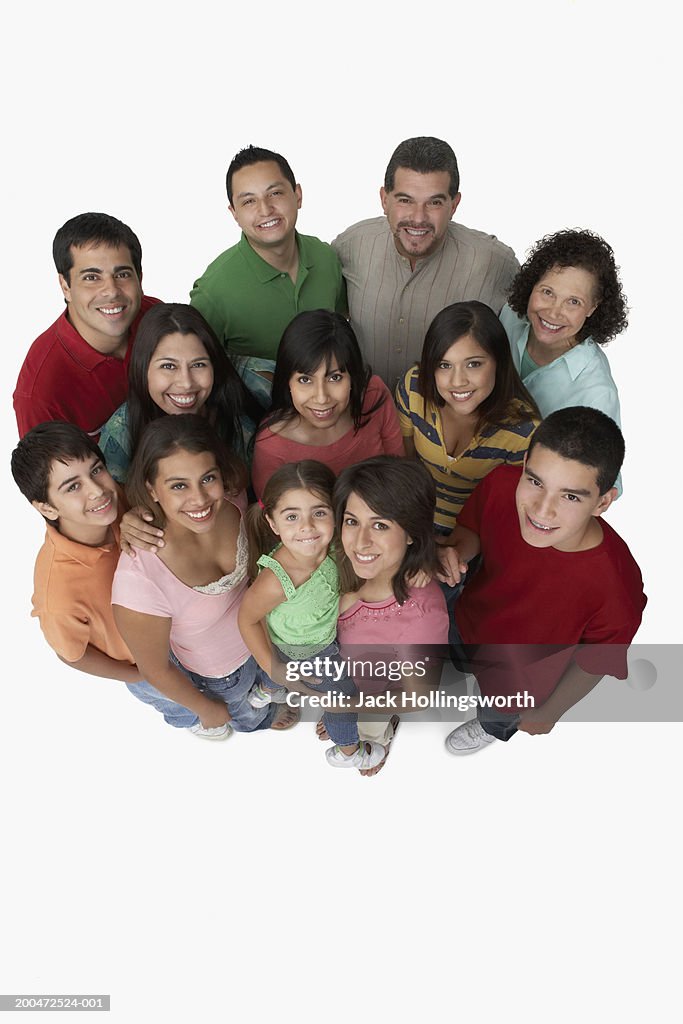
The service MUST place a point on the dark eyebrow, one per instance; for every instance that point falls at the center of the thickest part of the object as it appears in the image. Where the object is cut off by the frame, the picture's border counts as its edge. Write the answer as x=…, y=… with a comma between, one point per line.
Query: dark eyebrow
x=70, y=480
x=98, y=270
x=172, y=479
x=275, y=184
x=437, y=195
x=296, y=508
x=580, y=492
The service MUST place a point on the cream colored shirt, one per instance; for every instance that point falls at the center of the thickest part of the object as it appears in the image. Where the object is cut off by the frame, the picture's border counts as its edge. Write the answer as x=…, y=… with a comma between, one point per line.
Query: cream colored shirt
x=391, y=306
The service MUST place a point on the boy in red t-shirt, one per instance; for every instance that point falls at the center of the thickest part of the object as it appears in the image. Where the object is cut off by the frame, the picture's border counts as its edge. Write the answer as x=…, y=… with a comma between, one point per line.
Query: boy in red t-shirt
x=558, y=597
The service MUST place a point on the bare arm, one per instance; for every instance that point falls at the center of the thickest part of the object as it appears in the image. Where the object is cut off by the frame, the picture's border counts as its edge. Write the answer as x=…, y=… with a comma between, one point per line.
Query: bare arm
x=147, y=637
x=97, y=663
x=572, y=687
x=262, y=597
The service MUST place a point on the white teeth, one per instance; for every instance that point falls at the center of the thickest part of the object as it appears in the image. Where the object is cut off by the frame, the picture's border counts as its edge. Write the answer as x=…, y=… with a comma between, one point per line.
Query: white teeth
x=322, y=412
x=415, y=231
x=111, y=312
x=540, y=526
x=199, y=515
x=183, y=399
x=461, y=396
x=270, y=223
x=101, y=508
x=366, y=558
x=549, y=326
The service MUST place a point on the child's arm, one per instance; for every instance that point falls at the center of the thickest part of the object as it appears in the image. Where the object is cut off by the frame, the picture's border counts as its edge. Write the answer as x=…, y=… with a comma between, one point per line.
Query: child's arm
x=148, y=639
x=572, y=687
x=262, y=597
x=97, y=663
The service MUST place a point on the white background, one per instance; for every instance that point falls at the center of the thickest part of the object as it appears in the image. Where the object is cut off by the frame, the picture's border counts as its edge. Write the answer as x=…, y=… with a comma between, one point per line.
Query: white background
x=535, y=881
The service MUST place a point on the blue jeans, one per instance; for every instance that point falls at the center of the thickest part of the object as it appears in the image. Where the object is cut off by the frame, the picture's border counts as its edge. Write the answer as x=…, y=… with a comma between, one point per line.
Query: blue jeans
x=232, y=690
x=492, y=720
x=342, y=727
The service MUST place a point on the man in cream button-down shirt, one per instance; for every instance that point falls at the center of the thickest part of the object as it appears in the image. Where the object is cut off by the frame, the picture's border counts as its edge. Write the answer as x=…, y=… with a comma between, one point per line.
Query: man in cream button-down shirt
x=403, y=268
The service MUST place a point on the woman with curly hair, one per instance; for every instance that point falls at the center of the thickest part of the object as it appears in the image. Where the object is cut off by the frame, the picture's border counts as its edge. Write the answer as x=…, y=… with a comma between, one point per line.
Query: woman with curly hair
x=564, y=303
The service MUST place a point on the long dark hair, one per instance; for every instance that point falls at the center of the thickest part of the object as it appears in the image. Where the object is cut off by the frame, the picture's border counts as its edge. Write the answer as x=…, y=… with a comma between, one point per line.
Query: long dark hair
x=400, y=490
x=168, y=434
x=229, y=399
x=479, y=320
x=315, y=338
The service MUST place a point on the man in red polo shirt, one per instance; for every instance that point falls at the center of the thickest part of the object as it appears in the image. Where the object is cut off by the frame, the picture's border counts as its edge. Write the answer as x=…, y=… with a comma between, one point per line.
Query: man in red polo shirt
x=77, y=370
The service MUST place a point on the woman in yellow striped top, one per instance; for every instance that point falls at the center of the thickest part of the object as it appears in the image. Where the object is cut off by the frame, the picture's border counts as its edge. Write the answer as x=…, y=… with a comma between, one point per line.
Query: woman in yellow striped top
x=463, y=409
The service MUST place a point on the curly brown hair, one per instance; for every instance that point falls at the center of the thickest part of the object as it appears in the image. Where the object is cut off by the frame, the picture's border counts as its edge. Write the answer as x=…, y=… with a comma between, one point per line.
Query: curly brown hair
x=576, y=248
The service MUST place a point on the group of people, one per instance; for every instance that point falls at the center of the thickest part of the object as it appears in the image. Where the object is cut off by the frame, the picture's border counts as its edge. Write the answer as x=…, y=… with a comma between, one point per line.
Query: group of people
x=335, y=456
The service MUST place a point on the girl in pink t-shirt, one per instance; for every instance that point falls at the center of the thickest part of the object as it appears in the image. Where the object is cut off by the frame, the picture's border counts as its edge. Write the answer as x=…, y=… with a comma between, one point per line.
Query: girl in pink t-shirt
x=186, y=598
x=384, y=509
x=326, y=405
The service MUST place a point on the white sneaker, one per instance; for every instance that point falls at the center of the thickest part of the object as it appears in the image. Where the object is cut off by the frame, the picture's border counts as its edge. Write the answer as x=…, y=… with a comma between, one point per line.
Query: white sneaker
x=220, y=732
x=260, y=697
x=468, y=738
x=368, y=755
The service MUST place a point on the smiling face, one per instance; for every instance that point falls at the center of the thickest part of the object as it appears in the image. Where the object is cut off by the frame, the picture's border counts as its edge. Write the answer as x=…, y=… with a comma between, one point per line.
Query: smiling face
x=265, y=205
x=180, y=374
x=375, y=546
x=465, y=376
x=103, y=296
x=189, y=489
x=559, y=305
x=322, y=398
x=304, y=522
x=558, y=501
x=419, y=211
x=82, y=498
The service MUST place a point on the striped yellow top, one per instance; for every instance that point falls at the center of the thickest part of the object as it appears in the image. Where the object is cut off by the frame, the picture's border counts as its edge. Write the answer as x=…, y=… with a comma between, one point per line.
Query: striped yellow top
x=457, y=477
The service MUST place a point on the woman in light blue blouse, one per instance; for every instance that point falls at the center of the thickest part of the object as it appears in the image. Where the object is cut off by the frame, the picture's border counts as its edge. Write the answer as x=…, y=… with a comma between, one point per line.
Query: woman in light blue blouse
x=178, y=366
x=565, y=302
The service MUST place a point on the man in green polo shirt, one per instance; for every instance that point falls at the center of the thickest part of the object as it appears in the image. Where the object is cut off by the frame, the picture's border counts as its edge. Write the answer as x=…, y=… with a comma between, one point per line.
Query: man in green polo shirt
x=253, y=290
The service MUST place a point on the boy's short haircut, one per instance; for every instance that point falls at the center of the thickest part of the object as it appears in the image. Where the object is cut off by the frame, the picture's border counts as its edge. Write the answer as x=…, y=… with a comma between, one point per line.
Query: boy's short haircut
x=257, y=155
x=45, y=444
x=93, y=229
x=587, y=436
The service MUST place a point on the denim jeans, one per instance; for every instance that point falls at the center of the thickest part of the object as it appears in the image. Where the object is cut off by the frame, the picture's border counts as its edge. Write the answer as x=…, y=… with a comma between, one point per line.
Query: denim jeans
x=494, y=722
x=342, y=727
x=232, y=690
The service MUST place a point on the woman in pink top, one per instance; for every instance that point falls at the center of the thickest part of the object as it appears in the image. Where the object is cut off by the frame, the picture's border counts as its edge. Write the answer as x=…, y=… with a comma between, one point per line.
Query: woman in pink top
x=326, y=405
x=384, y=509
x=186, y=598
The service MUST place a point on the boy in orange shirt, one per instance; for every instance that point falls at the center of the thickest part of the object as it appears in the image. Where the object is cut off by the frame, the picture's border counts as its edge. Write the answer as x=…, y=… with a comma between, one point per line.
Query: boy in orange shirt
x=62, y=472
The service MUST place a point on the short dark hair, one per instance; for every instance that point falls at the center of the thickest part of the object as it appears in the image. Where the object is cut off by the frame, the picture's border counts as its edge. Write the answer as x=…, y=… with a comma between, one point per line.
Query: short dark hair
x=229, y=398
x=256, y=155
x=403, y=491
x=587, y=436
x=169, y=434
x=314, y=338
x=93, y=229
x=479, y=320
x=424, y=154
x=49, y=442
x=576, y=248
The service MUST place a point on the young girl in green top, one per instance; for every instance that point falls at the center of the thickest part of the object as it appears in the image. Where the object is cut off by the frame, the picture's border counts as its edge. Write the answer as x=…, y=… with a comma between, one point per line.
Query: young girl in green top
x=290, y=611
